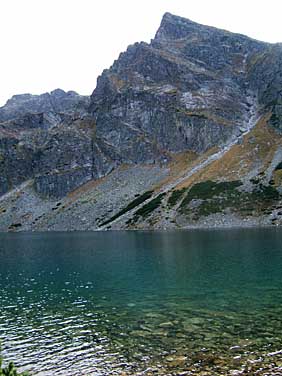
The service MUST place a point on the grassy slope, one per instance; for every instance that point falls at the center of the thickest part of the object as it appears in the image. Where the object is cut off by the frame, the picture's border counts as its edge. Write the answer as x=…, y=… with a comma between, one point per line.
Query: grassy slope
x=243, y=165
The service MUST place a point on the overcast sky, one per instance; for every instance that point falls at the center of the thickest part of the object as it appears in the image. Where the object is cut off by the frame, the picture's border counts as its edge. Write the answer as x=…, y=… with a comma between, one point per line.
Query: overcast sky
x=46, y=44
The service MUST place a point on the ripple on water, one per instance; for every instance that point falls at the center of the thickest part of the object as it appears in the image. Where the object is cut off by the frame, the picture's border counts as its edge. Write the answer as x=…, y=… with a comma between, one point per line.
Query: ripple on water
x=165, y=311
x=178, y=339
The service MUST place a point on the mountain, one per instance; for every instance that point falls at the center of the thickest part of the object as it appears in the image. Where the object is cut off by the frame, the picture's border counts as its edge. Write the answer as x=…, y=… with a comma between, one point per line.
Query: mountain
x=184, y=131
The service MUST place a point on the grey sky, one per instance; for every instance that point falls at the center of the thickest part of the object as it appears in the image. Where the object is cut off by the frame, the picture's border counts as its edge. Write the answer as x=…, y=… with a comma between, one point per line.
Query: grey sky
x=46, y=44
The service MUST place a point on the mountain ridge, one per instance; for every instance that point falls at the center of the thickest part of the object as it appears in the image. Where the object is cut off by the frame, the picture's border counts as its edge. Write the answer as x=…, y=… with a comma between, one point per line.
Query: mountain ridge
x=171, y=17
x=177, y=106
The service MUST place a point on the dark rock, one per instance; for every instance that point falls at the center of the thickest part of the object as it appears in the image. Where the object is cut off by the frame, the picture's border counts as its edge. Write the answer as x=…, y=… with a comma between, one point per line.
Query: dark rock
x=192, y=88
x=186, y=90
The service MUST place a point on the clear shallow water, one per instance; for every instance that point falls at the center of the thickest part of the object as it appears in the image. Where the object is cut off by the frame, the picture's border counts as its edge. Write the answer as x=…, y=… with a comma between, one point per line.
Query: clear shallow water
x=202, y=302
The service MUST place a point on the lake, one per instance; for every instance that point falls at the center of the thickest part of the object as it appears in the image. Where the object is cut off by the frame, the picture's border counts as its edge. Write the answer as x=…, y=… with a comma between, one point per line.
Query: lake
x=203, y=302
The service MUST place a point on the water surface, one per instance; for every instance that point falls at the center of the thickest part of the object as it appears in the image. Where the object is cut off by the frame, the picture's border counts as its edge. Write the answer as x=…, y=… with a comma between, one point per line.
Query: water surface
x=114, y=303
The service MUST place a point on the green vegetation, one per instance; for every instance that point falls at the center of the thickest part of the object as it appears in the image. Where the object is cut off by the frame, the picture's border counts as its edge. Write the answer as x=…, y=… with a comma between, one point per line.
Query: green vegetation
x=276, y=120
x=147, y=209
x=216, y=197
x=145, y=196
x=10, y=370
x=266, y=193
x=175, y=196
x=209, y=189
x=254, y=180
x=279, y=166
x=275, y=107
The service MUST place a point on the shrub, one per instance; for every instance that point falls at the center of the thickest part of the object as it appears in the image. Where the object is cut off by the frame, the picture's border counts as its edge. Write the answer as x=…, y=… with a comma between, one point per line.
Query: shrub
x=175, y=196
x=145, y=196
x=147, y=209
x=209, y=189
x=216, y=197
x=10, y=370
x=279, y=166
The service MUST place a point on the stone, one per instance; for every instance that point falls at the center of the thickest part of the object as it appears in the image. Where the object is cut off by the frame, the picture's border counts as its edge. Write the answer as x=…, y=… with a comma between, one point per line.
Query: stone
x=167, y=324
x=192, y=89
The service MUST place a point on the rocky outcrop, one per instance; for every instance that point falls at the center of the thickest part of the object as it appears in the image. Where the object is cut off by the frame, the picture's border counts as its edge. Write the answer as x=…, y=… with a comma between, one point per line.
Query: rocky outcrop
x=193, y=90
x=186, y=90
x=56, y=102
x=52, y=139
x=265, y=72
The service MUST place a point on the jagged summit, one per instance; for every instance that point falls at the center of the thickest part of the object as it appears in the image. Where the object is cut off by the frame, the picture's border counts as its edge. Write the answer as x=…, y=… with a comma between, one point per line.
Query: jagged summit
x=27, y=96
x=176, y=27
x=194, y=105
x=56, y=101
x=26, y=102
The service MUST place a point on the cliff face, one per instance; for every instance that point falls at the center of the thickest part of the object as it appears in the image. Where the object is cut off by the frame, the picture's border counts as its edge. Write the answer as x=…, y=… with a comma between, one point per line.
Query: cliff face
x=187, y=90
x=196, y=105
x=49, y=138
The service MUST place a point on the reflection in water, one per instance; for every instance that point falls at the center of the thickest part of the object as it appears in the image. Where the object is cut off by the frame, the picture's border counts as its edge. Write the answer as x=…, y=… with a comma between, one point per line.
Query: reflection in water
x=103, y=303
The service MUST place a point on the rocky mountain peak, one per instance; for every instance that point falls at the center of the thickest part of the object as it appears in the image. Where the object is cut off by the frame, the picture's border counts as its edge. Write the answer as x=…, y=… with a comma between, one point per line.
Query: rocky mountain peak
x=193, y=90
x=175, y=27
x=57, y=101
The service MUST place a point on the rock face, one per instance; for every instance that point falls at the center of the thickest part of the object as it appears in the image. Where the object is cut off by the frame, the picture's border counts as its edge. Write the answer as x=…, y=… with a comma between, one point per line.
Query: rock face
x=265, y=74
x=51, y=139
x=56, y=102
x=186, y=90
x=193, y=90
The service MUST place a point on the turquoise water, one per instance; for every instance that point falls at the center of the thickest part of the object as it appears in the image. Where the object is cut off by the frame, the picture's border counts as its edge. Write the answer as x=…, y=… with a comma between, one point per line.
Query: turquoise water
x=129, y=303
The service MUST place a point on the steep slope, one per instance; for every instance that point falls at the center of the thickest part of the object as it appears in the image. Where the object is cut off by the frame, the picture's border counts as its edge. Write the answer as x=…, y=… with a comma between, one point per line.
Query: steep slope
x=186, y=90
x=50, y=138
x=240, y=188
x=183, y=131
